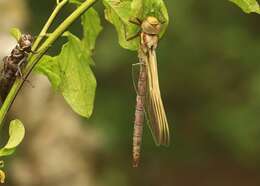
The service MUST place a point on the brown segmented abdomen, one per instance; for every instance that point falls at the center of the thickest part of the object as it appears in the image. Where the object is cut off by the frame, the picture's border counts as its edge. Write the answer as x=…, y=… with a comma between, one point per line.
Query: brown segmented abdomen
x=139, y=112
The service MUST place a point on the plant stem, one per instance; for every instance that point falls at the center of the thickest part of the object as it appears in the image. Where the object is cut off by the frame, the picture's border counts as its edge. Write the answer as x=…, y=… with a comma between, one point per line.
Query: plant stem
x=40, y=52
x=48, y=23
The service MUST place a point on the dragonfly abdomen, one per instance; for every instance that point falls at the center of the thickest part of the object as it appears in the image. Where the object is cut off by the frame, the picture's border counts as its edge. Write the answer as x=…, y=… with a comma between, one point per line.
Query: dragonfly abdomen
x=139, y=116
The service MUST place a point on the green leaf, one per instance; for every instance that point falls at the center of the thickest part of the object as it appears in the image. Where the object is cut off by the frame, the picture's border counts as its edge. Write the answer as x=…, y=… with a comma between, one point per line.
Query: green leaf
x=50, y=68
x=78, y=83
x=248, y=6
x=16, y=33
x=16, y=133
x=120, y=12
x=91, y=28
x=71, y=74
x=91, y=24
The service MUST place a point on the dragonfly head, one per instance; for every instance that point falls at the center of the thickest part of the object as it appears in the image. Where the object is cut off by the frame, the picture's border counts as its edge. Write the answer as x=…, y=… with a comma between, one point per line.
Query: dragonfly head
x=151, y=25
x=26, y=41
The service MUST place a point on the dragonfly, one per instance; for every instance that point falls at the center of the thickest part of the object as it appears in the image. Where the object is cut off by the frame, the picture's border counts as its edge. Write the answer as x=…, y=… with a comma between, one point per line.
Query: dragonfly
x=13, y=63
x=148, y=101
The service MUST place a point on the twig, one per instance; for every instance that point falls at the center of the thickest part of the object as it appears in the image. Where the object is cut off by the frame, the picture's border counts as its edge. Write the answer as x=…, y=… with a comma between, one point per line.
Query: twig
x=48, y=23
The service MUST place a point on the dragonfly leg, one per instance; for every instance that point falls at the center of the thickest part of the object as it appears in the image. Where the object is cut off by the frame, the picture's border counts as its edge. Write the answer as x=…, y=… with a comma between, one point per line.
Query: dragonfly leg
x=136, y=64
x=133, y=37
x=19, y=73
x=129, y=38
x=19, y=65
x=37, y=52
x=136, y=21
x=33, y=52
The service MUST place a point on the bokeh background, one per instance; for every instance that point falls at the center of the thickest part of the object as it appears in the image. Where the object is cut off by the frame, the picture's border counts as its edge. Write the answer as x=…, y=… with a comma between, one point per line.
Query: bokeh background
x=209, y=72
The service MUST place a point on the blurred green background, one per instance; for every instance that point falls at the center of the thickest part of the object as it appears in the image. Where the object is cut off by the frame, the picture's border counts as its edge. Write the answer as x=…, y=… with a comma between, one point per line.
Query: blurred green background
x=209, y=73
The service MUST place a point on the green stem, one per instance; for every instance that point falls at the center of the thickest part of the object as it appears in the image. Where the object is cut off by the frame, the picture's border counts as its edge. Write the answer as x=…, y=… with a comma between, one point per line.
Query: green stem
x=48, y=23
x=40, y=52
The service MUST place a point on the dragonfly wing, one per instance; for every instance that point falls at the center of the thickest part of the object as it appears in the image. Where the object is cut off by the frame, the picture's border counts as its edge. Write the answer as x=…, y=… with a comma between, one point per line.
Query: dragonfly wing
x=155, y=112
x=135, y=75
x=154, y=109
x=149, y=116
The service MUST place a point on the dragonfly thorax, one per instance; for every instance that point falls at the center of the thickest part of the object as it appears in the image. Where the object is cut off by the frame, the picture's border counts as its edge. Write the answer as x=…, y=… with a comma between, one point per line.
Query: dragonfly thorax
x=151, y=25
x=148, y=41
